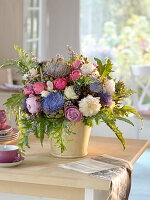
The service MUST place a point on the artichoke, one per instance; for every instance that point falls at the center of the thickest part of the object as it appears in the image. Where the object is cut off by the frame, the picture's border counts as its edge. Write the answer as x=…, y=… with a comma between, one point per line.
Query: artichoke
x=58, y=68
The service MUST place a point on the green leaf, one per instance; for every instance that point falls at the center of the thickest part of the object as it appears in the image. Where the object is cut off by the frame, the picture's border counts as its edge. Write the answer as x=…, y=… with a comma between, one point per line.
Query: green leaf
x=118, y=133
x=132, y=110
x=88, y=121
x=23, y=64
x=121, y=92
x=99, y=62
x=125, y=120
x=106, y=69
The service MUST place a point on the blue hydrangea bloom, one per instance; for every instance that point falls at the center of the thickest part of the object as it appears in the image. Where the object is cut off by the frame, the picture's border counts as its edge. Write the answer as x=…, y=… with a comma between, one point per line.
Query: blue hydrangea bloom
x=95, y=85
x=52, y=103
x=105, y=99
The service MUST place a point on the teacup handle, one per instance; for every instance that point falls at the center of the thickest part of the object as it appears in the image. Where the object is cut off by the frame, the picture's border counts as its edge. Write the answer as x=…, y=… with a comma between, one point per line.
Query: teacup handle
x=19, y=156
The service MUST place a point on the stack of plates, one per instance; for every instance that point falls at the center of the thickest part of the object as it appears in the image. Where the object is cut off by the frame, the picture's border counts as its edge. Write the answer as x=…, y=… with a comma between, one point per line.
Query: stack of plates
x=9, y=134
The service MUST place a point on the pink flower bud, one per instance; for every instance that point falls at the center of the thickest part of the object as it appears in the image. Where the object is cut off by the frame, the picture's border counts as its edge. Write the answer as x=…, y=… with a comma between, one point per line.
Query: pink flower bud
x=75, y=75
x=76, y=64
x=28, y=89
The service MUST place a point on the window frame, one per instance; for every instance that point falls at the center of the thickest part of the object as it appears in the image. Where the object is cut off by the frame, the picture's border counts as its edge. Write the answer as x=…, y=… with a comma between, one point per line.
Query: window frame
x=27, y=40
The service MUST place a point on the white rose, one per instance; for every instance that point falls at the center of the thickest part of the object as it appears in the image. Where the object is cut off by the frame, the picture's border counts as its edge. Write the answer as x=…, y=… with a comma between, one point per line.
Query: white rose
x=89, y=106
x=49, y=86
x=70, y=93
x=87, y=69
x=33, y=72
x=109, y=87
x=45, y=93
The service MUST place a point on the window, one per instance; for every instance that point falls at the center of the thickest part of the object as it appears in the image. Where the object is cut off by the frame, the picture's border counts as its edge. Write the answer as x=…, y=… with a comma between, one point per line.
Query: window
x=32, y=33
x=118, y=29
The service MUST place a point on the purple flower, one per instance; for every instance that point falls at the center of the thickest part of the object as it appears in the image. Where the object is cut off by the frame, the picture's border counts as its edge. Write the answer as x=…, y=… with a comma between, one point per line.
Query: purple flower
x=33, y=104
x=52, y=103
x=72, y=113
x=105, y=99
x=95, y=85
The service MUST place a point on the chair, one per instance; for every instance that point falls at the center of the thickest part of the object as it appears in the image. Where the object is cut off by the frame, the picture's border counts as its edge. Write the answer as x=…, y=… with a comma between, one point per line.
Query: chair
x=141, y=84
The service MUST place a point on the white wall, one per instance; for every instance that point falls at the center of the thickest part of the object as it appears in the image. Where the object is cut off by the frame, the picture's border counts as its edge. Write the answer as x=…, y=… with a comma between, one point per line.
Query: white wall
x=60, y=27
x=11, y=29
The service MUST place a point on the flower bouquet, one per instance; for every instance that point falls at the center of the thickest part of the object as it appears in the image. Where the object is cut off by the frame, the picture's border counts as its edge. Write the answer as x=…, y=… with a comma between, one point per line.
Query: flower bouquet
x=57, y=93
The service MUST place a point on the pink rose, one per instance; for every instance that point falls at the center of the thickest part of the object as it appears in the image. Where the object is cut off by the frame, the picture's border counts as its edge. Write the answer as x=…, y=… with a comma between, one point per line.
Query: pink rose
x=72, y=113
x=39, y=87
x=2, y=119
x=60, y=83
x=33, y=104
x=28, y=89
x=75, y=75
x=76, y=64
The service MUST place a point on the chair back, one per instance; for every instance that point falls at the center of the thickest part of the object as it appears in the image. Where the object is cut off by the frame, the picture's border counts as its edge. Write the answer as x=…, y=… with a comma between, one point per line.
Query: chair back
x=141, y=83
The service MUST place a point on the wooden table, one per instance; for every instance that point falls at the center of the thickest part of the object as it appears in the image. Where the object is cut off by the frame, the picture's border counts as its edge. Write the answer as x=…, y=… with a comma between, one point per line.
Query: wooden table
x=40, y=175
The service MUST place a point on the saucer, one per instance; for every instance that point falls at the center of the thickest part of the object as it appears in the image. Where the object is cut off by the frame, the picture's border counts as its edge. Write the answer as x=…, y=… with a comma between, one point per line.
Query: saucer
x=13, y=164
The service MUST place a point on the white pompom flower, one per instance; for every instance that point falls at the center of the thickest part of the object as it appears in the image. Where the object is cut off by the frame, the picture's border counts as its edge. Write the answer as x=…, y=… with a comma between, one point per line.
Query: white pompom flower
x=89, y=106
x=49, y=86
x=45, y=93
x=87, y=69
x=70, y=93
x=109, y=87
x=33, y=72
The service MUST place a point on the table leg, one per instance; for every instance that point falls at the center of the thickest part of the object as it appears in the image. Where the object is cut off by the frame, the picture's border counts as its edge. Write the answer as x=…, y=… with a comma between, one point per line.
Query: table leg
x=91, y=194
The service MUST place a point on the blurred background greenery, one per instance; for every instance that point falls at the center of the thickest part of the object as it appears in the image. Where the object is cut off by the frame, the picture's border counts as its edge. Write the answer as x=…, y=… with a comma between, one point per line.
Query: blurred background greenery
x=118, y=29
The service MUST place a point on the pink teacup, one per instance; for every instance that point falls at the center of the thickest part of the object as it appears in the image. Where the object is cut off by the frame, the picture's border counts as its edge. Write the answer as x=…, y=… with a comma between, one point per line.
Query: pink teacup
x=2, y=119
x=8, y=153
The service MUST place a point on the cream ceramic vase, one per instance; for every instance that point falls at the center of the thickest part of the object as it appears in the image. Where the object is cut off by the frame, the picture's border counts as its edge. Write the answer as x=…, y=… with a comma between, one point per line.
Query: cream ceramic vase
x=79, y=144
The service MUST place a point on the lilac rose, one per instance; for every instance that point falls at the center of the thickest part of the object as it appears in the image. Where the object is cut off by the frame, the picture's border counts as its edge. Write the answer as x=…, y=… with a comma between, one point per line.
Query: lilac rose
x=72, y=113
x=33, y=104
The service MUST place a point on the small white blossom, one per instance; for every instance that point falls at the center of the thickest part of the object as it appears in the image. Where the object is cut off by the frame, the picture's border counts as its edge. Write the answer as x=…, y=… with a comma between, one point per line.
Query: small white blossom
x=95, y=73
x=49, y=86
x=87, y=69
x=45, y=93
x=70, y=93
x=25, y=77
x=109, y=87
x=89, y=106
x=33, y=72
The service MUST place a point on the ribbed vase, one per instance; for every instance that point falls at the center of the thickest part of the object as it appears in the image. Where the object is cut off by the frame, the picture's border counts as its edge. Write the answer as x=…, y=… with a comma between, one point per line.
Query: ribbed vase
x=79, y=144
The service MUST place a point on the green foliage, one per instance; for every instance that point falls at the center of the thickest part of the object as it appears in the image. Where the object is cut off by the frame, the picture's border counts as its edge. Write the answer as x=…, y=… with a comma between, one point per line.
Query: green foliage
x=14, y=104
x=55, y=129
x=24, y=64
x=83, y=81
x=106, y=69
x=109, y=117
x=121, y=92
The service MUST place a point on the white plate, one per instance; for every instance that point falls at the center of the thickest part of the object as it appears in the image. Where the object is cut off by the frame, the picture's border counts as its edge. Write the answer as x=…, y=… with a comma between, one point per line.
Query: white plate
x=12, y=131
x=9, y=136
x=11, y=164
x=7, y=130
